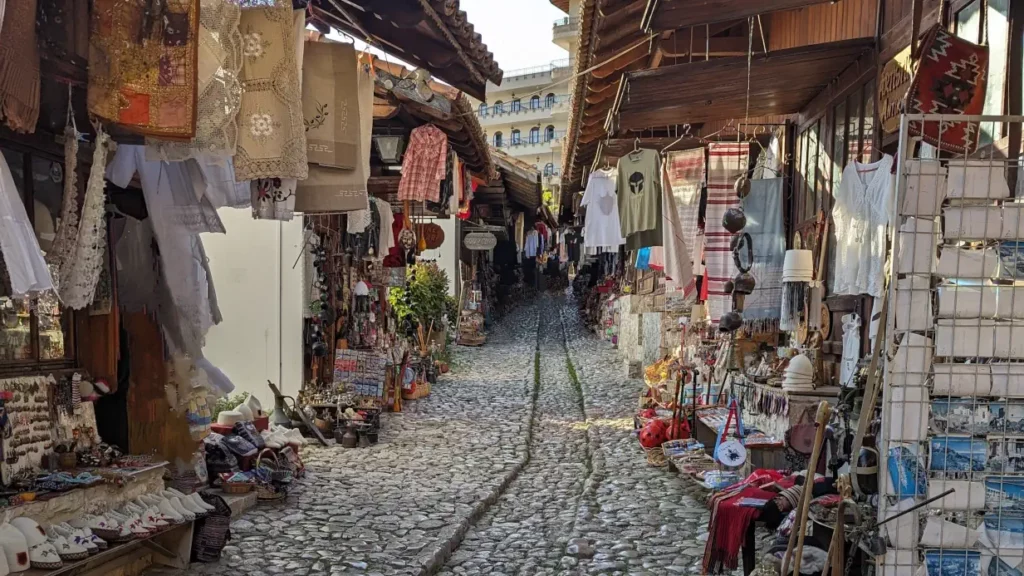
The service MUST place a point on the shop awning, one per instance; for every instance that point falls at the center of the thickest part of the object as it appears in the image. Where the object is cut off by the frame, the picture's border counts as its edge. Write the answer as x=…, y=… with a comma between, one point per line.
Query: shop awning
x=430, y=34
x=400, y=108
x=521, y=180
x=674, y=14
x=781, y=82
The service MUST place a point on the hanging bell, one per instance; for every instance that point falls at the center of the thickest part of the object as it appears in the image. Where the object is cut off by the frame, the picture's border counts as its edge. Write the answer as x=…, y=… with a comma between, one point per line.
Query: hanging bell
x=734, y=220
x=743, y=283
x=742, y=186
x=730, y=322
x=729, y=287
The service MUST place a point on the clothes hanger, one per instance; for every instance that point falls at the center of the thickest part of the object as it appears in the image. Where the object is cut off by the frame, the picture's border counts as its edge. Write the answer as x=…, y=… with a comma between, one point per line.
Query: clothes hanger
x=686, y=134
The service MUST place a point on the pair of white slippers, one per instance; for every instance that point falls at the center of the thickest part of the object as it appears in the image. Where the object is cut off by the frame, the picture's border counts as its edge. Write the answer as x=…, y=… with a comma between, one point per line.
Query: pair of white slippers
x=280, y=437
x=149, y=513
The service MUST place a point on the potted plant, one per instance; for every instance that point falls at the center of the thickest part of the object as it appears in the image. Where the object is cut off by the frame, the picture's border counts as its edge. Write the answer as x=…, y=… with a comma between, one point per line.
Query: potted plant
x=423, y=303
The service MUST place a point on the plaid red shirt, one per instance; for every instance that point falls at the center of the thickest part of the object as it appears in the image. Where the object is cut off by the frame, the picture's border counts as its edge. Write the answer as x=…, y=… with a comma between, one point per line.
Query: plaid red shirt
x=424, y=164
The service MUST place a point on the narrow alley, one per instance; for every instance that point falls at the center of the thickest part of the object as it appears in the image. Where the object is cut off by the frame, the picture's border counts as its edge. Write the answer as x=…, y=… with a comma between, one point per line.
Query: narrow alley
x=522, y=461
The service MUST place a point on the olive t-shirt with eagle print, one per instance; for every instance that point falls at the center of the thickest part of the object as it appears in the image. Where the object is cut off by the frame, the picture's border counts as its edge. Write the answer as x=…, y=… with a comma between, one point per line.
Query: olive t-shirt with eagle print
x=639, y=198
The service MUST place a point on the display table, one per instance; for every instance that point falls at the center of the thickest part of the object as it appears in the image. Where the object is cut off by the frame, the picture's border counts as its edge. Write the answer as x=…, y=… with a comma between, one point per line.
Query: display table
x=100, y=498
x=171, y=547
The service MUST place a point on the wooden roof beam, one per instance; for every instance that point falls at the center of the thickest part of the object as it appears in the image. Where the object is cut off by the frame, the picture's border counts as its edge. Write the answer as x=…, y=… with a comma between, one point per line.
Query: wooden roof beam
x=675, y=14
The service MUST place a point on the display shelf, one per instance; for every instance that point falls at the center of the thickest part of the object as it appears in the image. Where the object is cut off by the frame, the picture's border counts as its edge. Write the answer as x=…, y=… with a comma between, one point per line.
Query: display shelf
x=171, y=547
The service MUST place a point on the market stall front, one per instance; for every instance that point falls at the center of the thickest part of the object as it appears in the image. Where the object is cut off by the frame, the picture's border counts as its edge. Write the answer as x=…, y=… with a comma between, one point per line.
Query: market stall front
x=129, y=129
x=838, y=312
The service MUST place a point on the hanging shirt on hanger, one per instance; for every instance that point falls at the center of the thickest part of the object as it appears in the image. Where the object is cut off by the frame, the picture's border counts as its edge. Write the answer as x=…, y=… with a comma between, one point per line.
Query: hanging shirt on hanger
x=602, y=226
x=424, y=164
x=639, y=198
x=861, y=214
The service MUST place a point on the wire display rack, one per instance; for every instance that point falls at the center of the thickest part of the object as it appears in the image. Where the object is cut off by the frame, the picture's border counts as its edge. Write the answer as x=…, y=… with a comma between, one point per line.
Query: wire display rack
x=953, y=399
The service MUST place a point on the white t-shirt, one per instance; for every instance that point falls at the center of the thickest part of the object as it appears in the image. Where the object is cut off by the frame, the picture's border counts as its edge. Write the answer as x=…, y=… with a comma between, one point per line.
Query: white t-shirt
x=601, y=228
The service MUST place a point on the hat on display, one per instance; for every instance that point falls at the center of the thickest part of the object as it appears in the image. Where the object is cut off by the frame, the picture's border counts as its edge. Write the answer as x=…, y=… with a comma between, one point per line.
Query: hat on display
x=15, y=548
x=245, y=411
x=31, y=529
x=798, y=266
x=229, y=417
x=799, y=374
x=254, y=404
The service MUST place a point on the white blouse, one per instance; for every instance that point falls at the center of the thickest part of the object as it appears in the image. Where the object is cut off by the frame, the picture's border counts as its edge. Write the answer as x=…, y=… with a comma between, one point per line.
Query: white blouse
x=601, y=229
x=860, y=216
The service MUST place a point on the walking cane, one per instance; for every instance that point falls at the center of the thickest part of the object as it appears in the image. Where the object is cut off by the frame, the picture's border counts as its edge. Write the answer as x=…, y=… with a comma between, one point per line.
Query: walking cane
x=800, y=524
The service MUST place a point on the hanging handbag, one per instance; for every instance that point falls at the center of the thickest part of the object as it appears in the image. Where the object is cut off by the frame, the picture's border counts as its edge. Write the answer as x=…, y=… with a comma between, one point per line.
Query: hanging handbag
x=730, y=451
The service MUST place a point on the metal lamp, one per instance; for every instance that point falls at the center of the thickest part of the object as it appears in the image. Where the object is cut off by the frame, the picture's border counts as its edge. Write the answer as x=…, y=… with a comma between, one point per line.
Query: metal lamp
x=389, y=147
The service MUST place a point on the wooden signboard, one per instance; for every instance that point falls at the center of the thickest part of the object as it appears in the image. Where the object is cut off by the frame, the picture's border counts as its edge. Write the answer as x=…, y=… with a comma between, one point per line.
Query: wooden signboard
x=893, y=84
x=480, y=241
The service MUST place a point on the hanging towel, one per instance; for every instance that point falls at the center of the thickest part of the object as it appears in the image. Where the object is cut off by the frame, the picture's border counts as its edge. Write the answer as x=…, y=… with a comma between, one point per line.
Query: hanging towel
x=218, y=85
x=19, y=67
x=674, y=258
x=271, y=134
x=686, y=178
x=143, y=66
x=336, y=189
x=727, y=162
x=763, y=207
x=328, y=104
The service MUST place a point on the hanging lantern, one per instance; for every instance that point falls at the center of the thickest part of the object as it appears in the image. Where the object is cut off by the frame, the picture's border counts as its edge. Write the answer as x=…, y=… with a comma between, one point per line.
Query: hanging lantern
x=389, y=148
x=362, y=292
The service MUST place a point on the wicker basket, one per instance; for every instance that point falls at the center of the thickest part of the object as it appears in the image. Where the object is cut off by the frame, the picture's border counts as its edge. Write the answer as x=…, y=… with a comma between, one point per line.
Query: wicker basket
x=271, y=478
x=656, y=457
x=236, y=488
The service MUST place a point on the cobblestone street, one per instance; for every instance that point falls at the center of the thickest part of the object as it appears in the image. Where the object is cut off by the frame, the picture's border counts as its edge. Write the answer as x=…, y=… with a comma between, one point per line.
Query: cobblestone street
x=521, y=461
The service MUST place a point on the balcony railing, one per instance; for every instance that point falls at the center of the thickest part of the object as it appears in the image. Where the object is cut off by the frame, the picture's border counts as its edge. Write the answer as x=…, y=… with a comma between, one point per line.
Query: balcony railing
x=523, y=106
x=568, y=21
x=542, y=70
x=528, y=142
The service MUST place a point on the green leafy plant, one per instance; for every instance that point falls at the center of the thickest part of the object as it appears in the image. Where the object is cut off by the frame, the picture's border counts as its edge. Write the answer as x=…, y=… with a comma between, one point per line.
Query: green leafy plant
x=227, y=403
x=424, y=300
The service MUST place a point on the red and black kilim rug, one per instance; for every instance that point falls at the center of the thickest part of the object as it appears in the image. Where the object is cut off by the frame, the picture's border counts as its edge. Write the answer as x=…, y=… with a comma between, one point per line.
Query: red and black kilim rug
x=950, y=79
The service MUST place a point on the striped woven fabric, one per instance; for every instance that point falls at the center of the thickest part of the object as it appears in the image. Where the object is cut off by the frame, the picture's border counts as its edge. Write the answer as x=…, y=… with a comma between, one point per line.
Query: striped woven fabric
x=685, y=171
x=727, y=161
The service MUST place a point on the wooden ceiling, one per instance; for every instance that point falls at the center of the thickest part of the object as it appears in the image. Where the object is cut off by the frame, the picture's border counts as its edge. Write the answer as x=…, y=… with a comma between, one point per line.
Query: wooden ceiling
x=658, y=46
x=675, y=14
x=430, y=34
x=562, y=5
x=780, y=83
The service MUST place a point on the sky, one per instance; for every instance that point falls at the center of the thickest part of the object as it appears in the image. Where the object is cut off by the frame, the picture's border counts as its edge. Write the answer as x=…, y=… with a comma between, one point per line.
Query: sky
x=517, y=33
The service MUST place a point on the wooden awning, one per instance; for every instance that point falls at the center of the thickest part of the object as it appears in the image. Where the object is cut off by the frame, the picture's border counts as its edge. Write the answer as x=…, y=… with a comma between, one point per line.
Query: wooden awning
x=781, y=83
x=430, y=34
x=521, y=180
x=401, y=107
x=665, y=15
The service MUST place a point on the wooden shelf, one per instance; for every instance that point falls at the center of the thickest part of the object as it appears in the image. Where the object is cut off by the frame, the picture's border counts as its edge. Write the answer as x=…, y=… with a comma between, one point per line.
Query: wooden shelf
x=170, y=547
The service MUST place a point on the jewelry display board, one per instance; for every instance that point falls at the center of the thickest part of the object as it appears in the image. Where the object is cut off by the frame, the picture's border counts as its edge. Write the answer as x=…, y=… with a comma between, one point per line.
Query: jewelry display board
x=26, y=424
x=953, y=400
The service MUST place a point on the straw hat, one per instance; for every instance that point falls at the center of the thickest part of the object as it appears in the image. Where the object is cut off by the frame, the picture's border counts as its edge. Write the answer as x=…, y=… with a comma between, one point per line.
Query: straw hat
x=229, y=417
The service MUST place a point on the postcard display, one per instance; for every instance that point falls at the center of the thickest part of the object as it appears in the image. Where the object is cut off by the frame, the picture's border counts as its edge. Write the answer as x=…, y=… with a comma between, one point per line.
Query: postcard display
x=953, y=401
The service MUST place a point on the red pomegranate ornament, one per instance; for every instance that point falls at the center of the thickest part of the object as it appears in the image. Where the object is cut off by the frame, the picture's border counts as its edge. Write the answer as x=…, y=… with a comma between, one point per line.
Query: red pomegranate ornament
x=653, y=434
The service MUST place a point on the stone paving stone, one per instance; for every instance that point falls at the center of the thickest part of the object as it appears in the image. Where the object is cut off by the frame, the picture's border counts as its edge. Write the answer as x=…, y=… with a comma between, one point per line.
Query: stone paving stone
x=491, y=474
x=391, y=508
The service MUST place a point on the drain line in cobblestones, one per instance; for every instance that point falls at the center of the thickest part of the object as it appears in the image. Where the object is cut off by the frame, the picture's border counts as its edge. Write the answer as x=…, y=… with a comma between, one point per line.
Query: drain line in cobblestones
x=437, y=561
